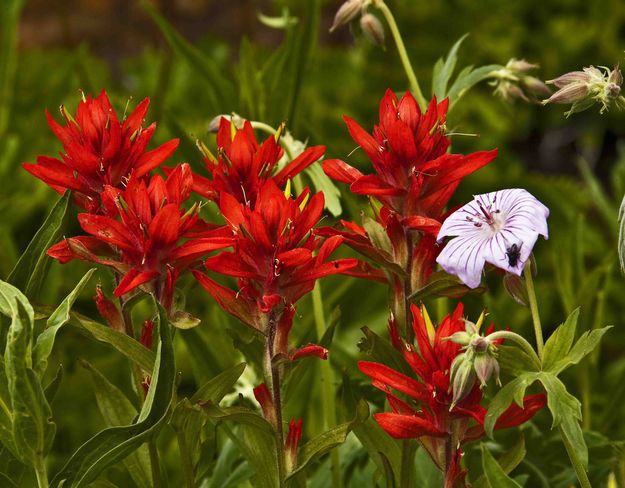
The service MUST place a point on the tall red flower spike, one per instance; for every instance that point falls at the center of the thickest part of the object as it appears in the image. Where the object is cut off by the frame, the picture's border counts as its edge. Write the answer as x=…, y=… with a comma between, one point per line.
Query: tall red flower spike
x=242, y=166
x=427, y=413
x=273, y=257
x=140, y=235
x=414, y=174
x=100, y=151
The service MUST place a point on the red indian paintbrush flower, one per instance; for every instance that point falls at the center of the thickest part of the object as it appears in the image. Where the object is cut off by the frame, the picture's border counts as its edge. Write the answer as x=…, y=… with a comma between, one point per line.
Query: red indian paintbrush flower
x=142, y=242
x=100, y=151
x=242, y=166
x=429, y=413
x=273, y=257
x=414, y=173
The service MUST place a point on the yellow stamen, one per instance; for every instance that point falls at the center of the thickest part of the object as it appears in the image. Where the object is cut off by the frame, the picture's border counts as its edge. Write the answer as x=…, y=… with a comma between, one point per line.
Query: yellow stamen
x=304, y=202
x=287, y=189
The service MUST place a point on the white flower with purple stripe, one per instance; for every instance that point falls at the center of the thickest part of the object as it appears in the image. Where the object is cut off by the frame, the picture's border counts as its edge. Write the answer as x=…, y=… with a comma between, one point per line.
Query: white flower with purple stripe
x=500, y=228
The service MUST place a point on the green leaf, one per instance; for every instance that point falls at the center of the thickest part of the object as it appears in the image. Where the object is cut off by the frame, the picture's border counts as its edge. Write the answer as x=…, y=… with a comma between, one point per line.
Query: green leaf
x=218, y=88
x=566, y=412
x=513, y=391
x=59, y=318
x=621, y=235
x=117, y=410
x=509, y=460
x=380, y=445
x=469, y=80
x=382, y=351
x=133, y=350
x=444, y=70
x=377, y=235
x=229, y=472
x=257, y=442
x=584, y=346
x=560, y=342
x=441, y=284
x=322, y=183
x=116, y=443
x=516, y=361
x=218, y=387
x=53, y=387
x=33, y=432
x=328, y=440
x=6, y=415
x=30, y=270
x=496, y=476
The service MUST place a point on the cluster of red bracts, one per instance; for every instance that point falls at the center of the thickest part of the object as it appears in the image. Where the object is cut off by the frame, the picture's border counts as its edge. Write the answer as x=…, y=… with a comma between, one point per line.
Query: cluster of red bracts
x=414, y=179
x=428, y=413
x=138, y=223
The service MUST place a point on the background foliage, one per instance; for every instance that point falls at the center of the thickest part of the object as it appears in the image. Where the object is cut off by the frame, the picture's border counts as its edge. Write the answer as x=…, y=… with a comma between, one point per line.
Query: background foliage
x=194, y=68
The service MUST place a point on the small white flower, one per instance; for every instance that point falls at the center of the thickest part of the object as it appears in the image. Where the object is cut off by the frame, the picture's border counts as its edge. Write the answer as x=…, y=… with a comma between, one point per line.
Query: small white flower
x=500, y=228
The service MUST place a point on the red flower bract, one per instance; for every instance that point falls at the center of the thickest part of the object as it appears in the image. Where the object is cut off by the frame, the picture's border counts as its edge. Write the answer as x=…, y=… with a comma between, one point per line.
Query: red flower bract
x=408, y=150
x=426, y=415
x=100, y=150
x=242, y=166
x=142, y=242
x=273, y=258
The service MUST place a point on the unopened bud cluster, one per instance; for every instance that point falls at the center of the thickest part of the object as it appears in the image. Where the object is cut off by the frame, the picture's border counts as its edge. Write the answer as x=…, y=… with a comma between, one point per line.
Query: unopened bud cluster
x=371, y=26
x=582, y=89
x=478, y=361
x=514, y=82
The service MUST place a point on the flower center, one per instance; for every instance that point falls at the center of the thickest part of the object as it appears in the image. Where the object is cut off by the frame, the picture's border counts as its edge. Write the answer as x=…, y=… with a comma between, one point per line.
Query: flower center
x=487, y=214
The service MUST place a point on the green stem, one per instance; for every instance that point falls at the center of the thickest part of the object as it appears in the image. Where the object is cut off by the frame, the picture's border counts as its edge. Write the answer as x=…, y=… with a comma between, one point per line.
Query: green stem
x=403, y=54
x=531, y=293
x=327, y=381
x=187, y=465
x=155, y=463
x=582, y=476
x=42, y=474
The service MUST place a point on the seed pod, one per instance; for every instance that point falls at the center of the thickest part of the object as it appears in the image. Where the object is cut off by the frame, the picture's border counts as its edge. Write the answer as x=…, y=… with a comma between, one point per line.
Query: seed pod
x=372, y=28
x=346, y=13
x=462, y=378
x=535, y=86
x=485, y=366
x=616, y=76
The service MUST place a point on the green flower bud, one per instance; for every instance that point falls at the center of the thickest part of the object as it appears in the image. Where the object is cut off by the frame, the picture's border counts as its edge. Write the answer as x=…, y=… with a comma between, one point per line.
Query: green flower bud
x=346, y=13
x=462, y=378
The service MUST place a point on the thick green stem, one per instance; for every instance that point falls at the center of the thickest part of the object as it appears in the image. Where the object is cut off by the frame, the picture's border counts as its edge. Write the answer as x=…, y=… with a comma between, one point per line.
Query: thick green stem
x=582, y=476
x=42, y=474
x=327, y=382
x=185, y=456
x=518, y=339
x=403, y=54
x=408, y=450
x=531, y=293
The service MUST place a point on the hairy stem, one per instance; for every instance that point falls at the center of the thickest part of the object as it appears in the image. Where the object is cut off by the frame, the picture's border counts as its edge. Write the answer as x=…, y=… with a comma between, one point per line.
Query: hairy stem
x=582, y=476
x=531, y=293
x=327, y=381
x=403, y=54
x=272, y=379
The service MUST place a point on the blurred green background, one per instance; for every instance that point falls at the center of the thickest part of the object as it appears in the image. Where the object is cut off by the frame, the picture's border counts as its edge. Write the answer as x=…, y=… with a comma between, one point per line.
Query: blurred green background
x=199, y=58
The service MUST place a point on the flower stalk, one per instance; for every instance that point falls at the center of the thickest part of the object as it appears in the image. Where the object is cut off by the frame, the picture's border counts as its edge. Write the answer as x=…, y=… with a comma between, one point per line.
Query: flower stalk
x=403, y=54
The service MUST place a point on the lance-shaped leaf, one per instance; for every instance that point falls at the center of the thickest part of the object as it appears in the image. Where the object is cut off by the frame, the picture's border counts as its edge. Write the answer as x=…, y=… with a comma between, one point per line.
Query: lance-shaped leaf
x=30, y=270
x=45, y=340
x=133, y=350
x=444, y=69
x=509, y=460
x=33, y=432
x=116, y=443
x=495, y=475
x=116, y=410
x=441, y=284
x=328, y=440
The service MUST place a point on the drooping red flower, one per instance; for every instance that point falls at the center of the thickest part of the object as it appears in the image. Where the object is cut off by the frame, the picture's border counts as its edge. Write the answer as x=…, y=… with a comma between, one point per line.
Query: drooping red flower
x=274, y=256
x=242, y=166
x=414, y=174
x=99, y=151
x=428, y=413
x=140, y=235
